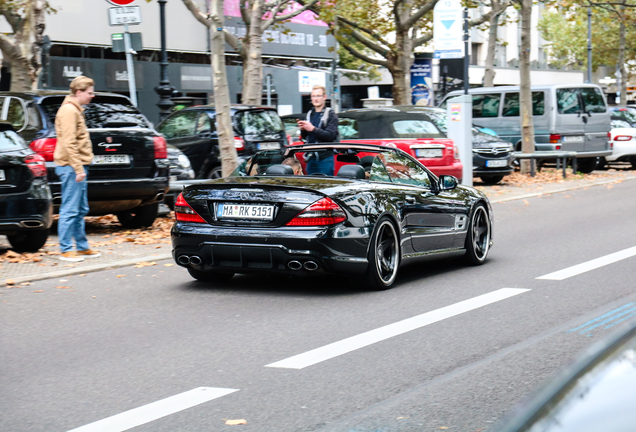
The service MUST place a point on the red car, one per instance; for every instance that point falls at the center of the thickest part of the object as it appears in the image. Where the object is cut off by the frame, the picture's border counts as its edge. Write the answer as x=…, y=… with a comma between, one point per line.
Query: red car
x=413, y=133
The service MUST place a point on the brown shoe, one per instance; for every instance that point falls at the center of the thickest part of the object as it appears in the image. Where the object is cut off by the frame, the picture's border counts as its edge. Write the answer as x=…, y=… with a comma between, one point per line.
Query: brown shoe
x=89, y=253
x=71, y=256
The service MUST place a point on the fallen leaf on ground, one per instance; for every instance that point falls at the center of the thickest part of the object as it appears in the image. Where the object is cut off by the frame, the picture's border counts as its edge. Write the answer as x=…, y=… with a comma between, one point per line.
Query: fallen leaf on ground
x=236, y=422
x=443, y=427
x=145, y=264
x=63, y=287
x=168, y=265
x=25, y=283
x=10, y=282
x=120, y=276
x=526, y=203
x=38, y=291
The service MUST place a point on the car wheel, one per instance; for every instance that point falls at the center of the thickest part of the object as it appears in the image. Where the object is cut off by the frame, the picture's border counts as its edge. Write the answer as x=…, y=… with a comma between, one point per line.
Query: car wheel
x=138, y=217
x=209, y=276
x=30, y=241
x=632, y=161
x=586, y=165
x=216, y=172
x=478, y=237
x=384, y=256
x=492, y=179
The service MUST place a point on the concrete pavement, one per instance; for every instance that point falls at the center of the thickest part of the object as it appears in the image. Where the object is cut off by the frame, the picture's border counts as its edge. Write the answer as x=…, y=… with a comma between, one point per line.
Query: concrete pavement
x=120, y=247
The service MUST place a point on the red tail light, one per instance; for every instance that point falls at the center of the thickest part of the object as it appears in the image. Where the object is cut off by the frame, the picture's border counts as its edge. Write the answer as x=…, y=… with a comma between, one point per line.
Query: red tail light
x=161, y=148
x=239, y=144
x=184, y=213
x=555, y=139
x=36, y=165
x=322, y=212
x=622, y=138
x=455, y=152
x=45, y=147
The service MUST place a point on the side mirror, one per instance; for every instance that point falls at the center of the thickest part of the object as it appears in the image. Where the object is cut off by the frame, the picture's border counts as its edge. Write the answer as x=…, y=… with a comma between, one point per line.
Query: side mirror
x=447, y=182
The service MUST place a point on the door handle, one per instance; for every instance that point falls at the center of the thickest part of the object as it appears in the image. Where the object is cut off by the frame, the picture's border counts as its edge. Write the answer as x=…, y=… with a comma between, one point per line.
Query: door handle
x=410, y=200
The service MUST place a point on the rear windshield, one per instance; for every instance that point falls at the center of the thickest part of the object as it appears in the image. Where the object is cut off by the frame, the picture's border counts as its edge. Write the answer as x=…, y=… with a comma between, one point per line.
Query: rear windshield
x=388, y=127
x=258, y=122
x=624, y=114
x=102, y=112
x=569, y=100
x=10, y=140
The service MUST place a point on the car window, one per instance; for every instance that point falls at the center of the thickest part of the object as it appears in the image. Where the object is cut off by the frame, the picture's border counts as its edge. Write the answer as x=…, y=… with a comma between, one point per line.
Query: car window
x=378, y=171
x=258, y=164
x=620, y=124
x=440, y=118
x=593, y=100
x=204, y=125
x=258, y=122
x=291, y=127
x=624, y=114
x=511, y=104
x=348, y=128
x=415, y=129
x=486, y=105
x=179, y=125
x=9, y=140
x=16, y=115
x=568, y=101
x=403, y=170
x=102, y=112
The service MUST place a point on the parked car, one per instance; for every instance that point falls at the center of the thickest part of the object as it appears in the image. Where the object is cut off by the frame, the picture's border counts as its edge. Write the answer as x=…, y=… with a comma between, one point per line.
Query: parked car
x=265, y=219
x=596, y=393
x=623, y=136
x=492, y=156
x=26, y=204
x=193, y=131
x=625, y=112
x=568, y=117
x=129, y=174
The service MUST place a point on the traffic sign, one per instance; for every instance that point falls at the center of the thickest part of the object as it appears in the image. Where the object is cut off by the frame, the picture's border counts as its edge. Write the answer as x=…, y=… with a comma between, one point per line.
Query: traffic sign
x=447, y=29
x=124, y=15
x=120, y=2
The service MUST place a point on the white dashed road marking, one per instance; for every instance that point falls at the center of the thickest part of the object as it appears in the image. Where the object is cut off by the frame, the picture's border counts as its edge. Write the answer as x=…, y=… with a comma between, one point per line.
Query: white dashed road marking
x=590, y=265
x=353, y=343
x=153, y=411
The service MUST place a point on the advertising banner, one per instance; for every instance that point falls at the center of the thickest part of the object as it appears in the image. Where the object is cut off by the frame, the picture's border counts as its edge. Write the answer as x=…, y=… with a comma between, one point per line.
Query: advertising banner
x=448, y=29
x=63, y=71
x=422, y=82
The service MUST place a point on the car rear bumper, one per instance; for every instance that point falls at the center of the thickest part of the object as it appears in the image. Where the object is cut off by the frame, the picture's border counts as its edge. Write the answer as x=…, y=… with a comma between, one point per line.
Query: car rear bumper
x=26, y=211
x=622, y=149
x=290, y=251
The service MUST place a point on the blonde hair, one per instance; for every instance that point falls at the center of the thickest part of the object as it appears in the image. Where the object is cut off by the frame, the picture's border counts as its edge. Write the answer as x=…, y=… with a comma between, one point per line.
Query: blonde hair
x=294, y=163
x=81, y=83
x=319, y=87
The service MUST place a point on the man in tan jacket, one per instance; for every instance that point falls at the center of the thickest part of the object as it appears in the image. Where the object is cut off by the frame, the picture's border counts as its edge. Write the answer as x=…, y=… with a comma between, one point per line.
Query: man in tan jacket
x=73, y=154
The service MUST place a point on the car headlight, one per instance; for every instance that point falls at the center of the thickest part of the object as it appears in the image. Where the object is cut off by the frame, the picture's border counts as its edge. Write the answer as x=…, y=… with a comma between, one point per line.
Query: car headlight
x=184, y=161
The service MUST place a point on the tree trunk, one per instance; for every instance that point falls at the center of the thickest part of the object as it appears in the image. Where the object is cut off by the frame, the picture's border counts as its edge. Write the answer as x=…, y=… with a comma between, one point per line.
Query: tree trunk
x=621, y=59
x=253, y=61
x=229, y=158
x=489, y=73
x=525, y=93
x=401, y=61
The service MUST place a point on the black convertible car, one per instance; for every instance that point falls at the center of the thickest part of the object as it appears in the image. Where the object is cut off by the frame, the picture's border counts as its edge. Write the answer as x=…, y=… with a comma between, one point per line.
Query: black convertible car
x=358, y=223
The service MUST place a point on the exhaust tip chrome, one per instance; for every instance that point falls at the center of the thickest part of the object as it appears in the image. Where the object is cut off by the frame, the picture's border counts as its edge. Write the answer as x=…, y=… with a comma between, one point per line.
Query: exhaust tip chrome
x=32, y=224
x=159, y=197
x=195, y=260
x=183, y=260
x=311, y=266
x=294, y=265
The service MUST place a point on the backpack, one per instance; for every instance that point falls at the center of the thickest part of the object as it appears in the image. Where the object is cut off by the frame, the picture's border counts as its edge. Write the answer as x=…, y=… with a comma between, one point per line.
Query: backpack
x=323, y=121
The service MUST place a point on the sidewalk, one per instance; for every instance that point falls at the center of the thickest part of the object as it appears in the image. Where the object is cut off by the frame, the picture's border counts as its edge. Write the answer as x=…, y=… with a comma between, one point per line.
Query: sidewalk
x=120, y=247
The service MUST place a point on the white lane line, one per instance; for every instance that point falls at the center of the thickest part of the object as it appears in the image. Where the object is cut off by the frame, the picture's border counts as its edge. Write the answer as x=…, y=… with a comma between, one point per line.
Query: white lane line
x=353, y=343
x=153, y=411
x=590, y=265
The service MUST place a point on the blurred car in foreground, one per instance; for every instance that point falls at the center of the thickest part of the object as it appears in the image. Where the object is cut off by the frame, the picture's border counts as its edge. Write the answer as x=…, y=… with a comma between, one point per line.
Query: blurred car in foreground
x=26, y=204
x=265, y=219
x=624, y=112
x=596, y=393
x=623, y=139
x=193, y=131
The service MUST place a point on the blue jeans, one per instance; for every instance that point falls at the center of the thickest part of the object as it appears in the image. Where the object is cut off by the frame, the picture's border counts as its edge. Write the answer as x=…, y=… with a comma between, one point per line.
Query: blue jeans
x=73, y=209
x=324, y=166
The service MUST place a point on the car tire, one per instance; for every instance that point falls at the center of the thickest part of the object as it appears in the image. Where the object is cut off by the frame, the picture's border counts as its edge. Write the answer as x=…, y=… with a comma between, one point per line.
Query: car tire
x=139, y=217
x=384, y=256
x=29, y=241
x=215, y=173
x=632, y=160
x=492, y=180
x=586, y=165
x=209, y=276
x=478, y=236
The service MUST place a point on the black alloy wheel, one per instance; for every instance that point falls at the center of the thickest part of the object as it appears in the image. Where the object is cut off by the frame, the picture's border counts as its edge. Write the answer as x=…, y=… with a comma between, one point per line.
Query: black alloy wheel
x=209, y=276
x=492, y=180
x=139, y=217
x=587, y=165
x=29, y=241
x=215, y=173
x=384, y=256
x=478, y=237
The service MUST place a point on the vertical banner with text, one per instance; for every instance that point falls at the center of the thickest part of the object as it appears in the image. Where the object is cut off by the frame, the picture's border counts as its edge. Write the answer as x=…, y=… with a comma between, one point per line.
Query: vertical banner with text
x=422, y=82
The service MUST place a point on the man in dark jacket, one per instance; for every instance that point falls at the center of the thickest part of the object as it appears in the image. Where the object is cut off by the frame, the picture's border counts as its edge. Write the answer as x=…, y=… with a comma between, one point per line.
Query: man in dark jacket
x=321, y=125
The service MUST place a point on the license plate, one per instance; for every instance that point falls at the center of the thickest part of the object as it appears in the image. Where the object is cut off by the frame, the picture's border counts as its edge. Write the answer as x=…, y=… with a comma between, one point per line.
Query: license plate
x=575, y=138
x=2, y=176
x=120, y=159
x=268, y=146
x=429, y=153
x=497, y=163
x=245, y=211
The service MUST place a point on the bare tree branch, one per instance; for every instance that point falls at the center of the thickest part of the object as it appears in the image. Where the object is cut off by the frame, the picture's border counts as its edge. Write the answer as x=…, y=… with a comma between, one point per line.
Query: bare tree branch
x=368, y=31
x=365, y=57
x=196, y=12
x=419, y=14
x=278, y=18
x=369, y=44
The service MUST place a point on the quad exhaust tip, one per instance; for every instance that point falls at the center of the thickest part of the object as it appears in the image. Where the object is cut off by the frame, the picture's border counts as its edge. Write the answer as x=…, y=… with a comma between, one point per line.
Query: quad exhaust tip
x=294, y=265
x=297, y=265
x=311, y=266
x=195, y=260
x=183, y=260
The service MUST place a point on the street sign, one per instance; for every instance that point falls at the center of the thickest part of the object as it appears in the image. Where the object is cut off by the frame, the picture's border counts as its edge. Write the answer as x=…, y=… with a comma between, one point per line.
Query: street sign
x=121, y=2
x=119, y=44
x=124, y=15
x=447, y=29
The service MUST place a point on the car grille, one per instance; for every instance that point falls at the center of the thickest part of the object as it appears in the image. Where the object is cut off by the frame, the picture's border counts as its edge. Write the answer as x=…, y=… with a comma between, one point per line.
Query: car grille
x=490, y=152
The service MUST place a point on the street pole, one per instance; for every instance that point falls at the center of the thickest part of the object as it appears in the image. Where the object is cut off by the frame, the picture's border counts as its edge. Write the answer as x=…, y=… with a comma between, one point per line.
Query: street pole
x=335, y=79
x=589, y=44
x=164, y=89
x=132, y=86
x=466, y=82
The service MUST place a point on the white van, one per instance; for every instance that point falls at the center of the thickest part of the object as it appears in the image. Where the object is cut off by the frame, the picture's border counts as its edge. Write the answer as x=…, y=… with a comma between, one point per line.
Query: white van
x=565, y=116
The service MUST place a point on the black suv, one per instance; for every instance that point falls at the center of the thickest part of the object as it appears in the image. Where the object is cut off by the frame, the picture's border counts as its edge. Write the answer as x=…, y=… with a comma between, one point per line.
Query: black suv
x=192, y=130
x=26, y=209
x=129, y=174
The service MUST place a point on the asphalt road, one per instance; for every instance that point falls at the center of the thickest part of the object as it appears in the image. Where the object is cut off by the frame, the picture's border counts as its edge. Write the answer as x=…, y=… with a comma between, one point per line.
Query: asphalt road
x=150, y=349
